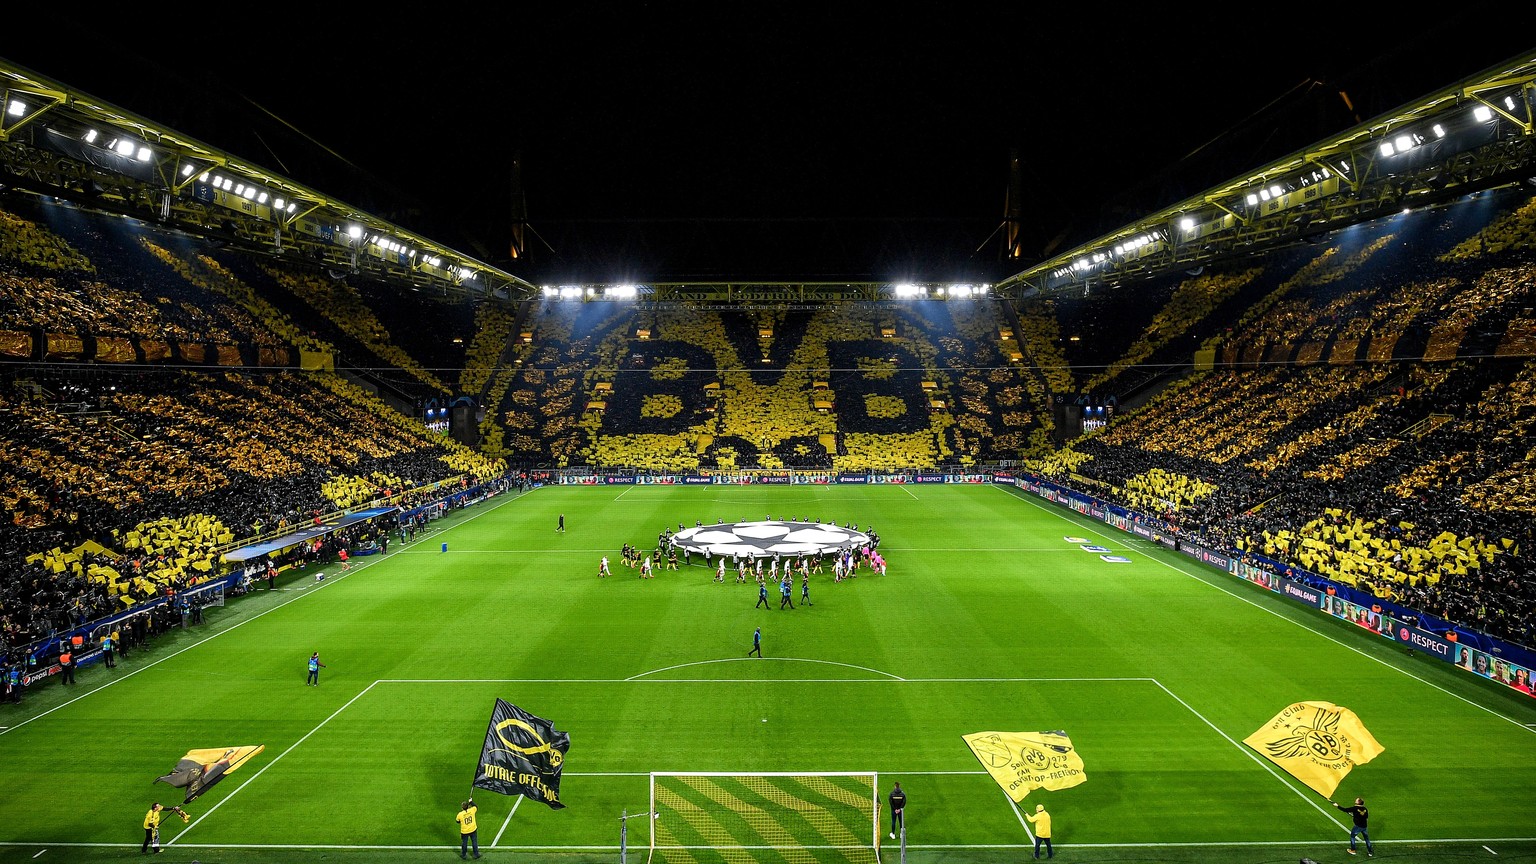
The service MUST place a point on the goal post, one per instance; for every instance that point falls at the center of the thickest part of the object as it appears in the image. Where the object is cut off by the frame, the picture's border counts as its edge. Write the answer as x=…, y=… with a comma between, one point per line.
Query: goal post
x=708, y=817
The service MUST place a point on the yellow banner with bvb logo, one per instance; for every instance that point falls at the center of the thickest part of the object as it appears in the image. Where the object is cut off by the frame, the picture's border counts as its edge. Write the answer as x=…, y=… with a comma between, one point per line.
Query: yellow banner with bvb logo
x=1317, y=743
x=1023, y=761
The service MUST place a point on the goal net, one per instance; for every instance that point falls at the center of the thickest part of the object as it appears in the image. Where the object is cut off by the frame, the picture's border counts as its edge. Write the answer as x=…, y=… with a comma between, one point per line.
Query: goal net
x=765, y=818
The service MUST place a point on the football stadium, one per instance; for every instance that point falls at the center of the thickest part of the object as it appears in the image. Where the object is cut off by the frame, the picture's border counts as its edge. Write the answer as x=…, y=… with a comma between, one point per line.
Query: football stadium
x=1206, y=539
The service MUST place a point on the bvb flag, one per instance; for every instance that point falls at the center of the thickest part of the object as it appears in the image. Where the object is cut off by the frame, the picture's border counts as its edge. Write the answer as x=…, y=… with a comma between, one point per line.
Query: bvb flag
x=1316, y=742
x=199, y=770
x=522, y=755
x=1022, y=761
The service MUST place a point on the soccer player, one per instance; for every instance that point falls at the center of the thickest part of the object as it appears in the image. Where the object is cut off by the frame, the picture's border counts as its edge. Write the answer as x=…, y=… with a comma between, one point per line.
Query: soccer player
x=469, y=832
x=645, y=567
x=720, y=572
x=559, y=529
x=757, y=636
x=898, y=801
x=346, y=560
x=1361, y=816
x=1042, y=822
x=602, y=567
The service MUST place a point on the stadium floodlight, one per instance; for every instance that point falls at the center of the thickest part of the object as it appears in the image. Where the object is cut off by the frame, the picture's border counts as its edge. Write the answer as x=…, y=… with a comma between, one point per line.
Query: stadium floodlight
x=737, y=817
x=1482, y=113
x=355, y=231
x=16, y=108
x=907, y=289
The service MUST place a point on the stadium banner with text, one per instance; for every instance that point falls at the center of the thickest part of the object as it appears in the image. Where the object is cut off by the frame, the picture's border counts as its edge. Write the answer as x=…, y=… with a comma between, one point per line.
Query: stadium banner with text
x=1316, y=742
x=1021, y=762
x=853, y=478
x=523, y=755
x=1432, y=643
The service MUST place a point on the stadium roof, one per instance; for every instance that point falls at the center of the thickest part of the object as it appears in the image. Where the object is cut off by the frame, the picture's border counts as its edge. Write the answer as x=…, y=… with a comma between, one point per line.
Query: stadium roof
x=621, y=142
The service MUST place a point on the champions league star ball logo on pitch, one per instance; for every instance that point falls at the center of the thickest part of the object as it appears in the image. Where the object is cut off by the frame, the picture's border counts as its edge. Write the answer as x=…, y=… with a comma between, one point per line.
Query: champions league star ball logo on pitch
x=768, y=538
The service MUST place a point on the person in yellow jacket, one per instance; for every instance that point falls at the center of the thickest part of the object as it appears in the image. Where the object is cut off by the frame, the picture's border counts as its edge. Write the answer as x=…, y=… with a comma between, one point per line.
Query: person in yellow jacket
x=469, y=832
x=1042, y=822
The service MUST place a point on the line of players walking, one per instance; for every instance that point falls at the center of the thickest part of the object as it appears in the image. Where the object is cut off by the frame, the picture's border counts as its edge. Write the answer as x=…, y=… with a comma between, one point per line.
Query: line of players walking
x=781, y=571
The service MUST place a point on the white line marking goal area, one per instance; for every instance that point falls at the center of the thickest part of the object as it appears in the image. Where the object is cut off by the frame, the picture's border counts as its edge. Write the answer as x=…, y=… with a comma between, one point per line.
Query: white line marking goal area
x=603, y=774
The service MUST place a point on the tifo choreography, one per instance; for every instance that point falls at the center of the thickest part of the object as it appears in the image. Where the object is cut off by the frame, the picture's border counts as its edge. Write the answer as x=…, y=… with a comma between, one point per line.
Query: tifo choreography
x=768, y=538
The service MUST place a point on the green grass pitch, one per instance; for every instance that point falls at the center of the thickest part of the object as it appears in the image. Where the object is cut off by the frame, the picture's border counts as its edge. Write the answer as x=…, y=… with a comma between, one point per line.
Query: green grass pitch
x=987, y=620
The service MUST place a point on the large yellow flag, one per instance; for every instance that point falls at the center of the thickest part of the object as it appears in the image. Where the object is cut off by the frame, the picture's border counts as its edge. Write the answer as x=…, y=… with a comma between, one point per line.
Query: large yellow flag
x=1316, y=742
x=1021, y=761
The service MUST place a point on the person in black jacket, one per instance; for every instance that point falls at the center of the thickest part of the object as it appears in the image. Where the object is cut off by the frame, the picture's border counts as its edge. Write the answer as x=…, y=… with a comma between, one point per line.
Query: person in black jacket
x=1361, y=816
x=898, y=801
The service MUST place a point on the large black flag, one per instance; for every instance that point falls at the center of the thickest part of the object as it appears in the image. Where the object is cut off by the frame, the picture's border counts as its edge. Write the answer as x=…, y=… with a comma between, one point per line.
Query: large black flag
x=522, y=755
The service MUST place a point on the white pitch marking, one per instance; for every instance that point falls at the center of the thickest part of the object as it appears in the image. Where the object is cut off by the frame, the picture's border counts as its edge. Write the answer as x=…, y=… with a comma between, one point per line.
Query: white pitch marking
x=1025, y=497
x=1250, y=754
x=263, y=770
x=1490, y=852
x=785, y=659
x=508, y=821
x=235, y=626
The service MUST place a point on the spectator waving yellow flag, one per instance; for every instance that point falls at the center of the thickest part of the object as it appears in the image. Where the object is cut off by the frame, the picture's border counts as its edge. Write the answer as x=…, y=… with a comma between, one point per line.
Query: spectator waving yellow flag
x=1022, y=761
x=1316, y=742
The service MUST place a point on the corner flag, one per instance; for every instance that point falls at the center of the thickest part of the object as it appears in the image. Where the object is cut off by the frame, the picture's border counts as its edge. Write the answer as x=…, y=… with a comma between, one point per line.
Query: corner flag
x=1023, y=761
x=1316, y=742
x=523, y=755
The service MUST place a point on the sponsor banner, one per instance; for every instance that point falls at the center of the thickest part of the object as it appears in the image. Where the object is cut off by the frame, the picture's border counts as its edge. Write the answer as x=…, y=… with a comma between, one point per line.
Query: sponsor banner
x=1096, y=512
x=1091, y=548
x=774, y=479
x=853, y=478
x=1495, y=668
x=1257, y=575
x=1142, y=531
x=1216, y=559
x=616, y=481
x=930, y=478
x=41, y=673
x=1302, y=593
x=1115, y=559
x=1118, y=521
x=1356, y=614
x=697, y=480
x=1423, y=640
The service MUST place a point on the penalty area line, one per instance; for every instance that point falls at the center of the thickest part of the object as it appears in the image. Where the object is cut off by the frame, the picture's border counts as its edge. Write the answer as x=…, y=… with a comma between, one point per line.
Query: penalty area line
x=263, y=770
